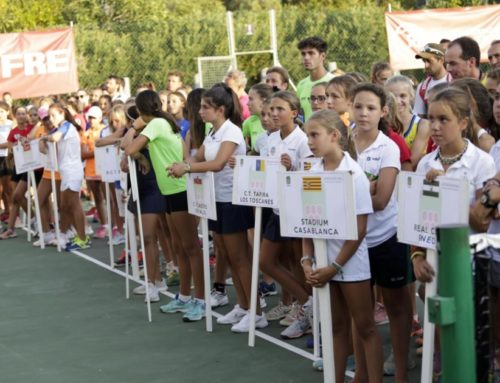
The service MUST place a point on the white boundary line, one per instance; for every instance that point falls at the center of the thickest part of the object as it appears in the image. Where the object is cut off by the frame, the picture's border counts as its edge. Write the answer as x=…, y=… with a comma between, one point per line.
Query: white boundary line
x=269, y=338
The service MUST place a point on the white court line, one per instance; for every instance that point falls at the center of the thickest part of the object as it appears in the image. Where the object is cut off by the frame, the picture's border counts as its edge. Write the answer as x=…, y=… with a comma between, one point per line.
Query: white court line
x=269, y=338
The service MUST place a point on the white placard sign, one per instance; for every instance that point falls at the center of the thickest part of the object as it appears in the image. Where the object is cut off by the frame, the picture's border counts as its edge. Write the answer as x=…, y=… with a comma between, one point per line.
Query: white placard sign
x=317, y=205
x=27, y=157
x=107, y=163
x=201, y=195
x=422, y=206
x=49, y=160
x=305, y=164
x=255, y=181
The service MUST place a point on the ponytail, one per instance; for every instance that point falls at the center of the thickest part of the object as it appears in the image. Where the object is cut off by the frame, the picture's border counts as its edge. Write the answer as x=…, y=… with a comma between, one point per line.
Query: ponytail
x=222, y=95
x=148, y=102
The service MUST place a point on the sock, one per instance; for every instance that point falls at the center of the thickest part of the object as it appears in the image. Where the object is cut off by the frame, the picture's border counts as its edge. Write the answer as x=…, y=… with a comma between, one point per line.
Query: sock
x=220, y=287
x=415, y=317
x=184, y=298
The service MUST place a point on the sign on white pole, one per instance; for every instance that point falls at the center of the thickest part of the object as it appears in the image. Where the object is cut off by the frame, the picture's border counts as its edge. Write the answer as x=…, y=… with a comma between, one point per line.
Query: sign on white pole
x=27, y=156
x=49, y=160
x=107, y=163
x=201, y=195
x=255, y=181
x=201, y=202
x=423, y=205
x=317, y=205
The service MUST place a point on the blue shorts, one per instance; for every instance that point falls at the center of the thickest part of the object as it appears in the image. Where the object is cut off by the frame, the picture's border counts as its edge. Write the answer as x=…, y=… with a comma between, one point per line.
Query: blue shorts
x=231, y=218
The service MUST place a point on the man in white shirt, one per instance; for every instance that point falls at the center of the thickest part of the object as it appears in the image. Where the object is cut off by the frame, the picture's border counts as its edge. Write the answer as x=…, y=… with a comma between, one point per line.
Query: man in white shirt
x=115, y=87
x=462, y=59
x=433, y=57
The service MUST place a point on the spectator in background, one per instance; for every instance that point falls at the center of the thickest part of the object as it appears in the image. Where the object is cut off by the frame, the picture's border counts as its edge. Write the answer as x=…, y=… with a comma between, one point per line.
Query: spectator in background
x=381, y=71
x=492, y=81
x=174, y=80
x=83, y=101
x=433, y=57
x=105, y=103
x=444, y=43
x=7, y=97
x=237, y=80
x=164, y=99
x=313, y=53
x=462, y=59
x=145, y=86
x=115, y=86
x=494, y=54
x=277, y=78
x=95, y=94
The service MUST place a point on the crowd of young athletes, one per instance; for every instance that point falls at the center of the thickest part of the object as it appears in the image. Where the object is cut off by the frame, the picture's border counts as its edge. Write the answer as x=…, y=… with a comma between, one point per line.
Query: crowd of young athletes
x=446, y=125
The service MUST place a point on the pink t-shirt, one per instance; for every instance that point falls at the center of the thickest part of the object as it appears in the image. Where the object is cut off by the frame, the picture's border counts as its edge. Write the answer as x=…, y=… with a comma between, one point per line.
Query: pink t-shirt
x=245, y=112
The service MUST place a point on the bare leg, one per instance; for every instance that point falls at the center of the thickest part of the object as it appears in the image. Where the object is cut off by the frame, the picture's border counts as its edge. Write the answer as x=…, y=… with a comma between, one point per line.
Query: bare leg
x=95, y=187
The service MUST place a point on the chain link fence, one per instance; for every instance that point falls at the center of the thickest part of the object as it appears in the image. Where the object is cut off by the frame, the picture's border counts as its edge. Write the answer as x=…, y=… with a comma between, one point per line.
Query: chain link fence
x=146, y=52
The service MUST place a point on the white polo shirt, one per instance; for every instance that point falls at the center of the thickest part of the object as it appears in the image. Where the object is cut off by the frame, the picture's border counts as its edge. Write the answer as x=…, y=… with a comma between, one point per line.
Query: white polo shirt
x=382, y=153
x=475, y=165
x=69, y=155
x=357, y=267
x=224, y=179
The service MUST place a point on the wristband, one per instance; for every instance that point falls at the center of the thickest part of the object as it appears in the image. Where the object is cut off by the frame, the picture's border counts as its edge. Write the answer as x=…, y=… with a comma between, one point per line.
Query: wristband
x=337, y=267
x=305, y=258
x=417, y=253
x=187, y=167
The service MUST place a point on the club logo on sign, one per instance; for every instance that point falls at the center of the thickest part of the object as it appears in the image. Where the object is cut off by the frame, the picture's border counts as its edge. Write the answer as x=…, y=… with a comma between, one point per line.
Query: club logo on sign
x=313, y=198
x=257, y=181
x=198, y=189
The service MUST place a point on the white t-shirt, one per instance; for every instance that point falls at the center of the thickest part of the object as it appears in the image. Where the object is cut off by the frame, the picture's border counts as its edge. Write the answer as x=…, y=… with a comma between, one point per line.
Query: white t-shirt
x=295, y=145
x=69, y=155
x=420, y=107
x=4, y=133
x=382, y=153
x=358, y=266
x=261, y=144
x=224, y=178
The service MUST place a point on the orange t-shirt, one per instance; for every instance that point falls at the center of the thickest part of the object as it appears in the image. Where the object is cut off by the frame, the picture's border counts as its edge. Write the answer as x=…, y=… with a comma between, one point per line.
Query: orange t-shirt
x=89, y=138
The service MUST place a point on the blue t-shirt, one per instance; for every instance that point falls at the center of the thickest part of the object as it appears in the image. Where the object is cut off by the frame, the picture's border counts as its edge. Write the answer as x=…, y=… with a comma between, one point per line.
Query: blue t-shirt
x=184, y=125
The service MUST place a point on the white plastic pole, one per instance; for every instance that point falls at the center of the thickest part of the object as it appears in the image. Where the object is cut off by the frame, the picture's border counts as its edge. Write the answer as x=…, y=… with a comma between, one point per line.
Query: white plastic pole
x=133, y=181
x=28, y=204
x=127, y=276
x=132, y=236
x=325, y=314
x=53, y=154
x=429, y=328
x=206, y=274
x=316, y=333
x=273, y=35
x=38, y=216
x=255, y=275
x=231, y=40
x=110, y=226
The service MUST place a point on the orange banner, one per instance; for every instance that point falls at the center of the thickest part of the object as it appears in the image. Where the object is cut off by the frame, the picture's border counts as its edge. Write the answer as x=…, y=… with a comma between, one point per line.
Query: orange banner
x=36, y=64
x=408, y=32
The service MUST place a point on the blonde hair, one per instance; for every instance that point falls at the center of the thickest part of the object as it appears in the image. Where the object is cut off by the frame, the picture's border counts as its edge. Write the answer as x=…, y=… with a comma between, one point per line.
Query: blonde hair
x=330, y=120
x=392, y=118
x=118, y=111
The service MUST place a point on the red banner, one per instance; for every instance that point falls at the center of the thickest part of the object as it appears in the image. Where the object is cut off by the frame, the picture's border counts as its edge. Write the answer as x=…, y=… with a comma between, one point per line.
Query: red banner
x=409, y=31
x=36, y=64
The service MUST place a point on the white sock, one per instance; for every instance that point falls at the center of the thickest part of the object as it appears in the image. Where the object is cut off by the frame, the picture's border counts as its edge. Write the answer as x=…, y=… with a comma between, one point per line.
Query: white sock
x=184, y=298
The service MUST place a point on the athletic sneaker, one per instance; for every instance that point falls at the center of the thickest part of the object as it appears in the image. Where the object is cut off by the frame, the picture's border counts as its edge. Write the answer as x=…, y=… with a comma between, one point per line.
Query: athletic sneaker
x=8, y=233
x=141, y=290
x=278, y=312
x=229, y=281
x=390, y=365
x=89, y=230
x=154, y=294
x=47, y=238
x=78, y=244
x=196, y=312
x=117, y=239
x=120, y=262
x=416, y=328
x=233, y=316
x=380, y=314
x=244, y=324
x=267, y=289
x=101, y=232
x=291, y=316
x=176, y=306
x=218, y=299
x=301, y=325
x=262, y=301
x=62, y=241
x=173, y=279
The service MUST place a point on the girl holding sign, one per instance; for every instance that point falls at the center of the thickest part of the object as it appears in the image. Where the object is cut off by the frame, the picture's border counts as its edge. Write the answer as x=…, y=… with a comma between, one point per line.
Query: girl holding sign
x=220, y=107
x=161, y=135
x=290, y=144
x=71, y=171
x=379, y=157
x=349, y=272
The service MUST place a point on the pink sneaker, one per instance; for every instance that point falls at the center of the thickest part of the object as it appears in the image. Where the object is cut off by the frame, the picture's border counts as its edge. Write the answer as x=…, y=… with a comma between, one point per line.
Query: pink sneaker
x=380, y=314
x=101, y=232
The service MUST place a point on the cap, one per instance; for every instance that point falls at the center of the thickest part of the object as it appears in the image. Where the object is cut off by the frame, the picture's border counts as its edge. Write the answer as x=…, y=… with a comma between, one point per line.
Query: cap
x=42, y=113
x=94, y=111
x=431, y=50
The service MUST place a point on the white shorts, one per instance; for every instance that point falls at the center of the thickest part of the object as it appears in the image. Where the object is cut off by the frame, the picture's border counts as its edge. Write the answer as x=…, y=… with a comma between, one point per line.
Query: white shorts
x=73, y=185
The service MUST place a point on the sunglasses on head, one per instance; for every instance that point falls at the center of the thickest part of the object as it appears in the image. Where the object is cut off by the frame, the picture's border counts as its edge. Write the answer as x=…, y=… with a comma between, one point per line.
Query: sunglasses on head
x=429, y=49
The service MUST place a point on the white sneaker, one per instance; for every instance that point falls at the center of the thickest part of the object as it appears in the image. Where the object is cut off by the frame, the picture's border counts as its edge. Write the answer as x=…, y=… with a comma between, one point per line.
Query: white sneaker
x=218, y=299
x=117, y=239
x=233, y=316
x=244, y=324
x=291, y=316
x=88, y=230
x=47, y=238
x=229, y=281
x=159, y=285
x=154, y=294
x=62, y=240
x=263, y=303
x=70, y=234
x=278, y=312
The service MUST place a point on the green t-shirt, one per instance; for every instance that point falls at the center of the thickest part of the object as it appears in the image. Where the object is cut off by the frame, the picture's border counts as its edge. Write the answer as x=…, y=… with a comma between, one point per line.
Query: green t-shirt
x=304, y=88
x=165, y=148
x=252, y=128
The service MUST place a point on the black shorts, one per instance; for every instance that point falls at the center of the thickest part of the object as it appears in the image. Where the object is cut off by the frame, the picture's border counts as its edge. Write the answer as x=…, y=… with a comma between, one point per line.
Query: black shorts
x=390, y=264
x=231, y=218
x=4, y=167
x=494, y=277
x=272, y=231
x=176, y=202
x=151, y=203
x=24, y=176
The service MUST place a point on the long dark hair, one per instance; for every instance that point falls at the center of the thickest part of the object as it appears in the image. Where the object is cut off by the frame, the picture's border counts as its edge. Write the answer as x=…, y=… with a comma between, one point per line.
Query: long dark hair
x=196, y=124
x=67, y=115
x=222, y=95
x=378, y=91
x=148, y=103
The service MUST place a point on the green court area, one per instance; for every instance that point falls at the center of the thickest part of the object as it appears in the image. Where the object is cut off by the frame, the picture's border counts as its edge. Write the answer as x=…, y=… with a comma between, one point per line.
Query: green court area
x=65, y=319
